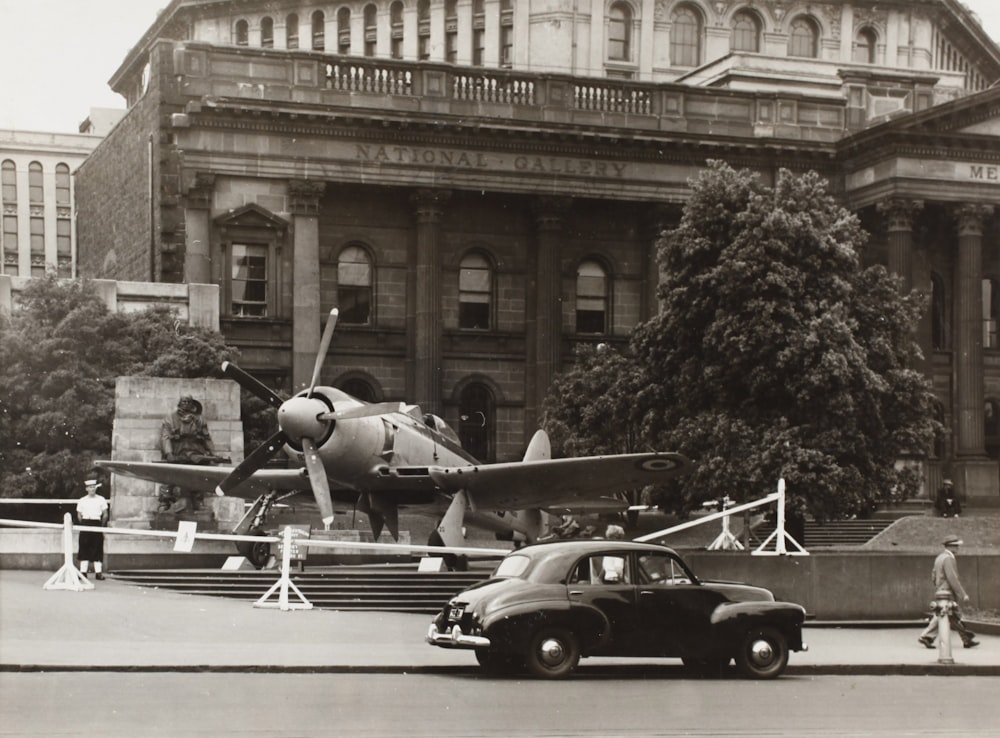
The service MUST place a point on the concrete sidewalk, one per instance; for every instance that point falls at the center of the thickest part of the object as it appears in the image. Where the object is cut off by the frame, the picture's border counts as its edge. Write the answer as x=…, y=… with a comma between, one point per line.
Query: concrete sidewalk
x=118, y=626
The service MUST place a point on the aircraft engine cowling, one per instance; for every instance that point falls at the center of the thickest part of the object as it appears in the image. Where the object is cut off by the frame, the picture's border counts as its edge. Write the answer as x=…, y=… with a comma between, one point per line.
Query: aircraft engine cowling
x=352, y=450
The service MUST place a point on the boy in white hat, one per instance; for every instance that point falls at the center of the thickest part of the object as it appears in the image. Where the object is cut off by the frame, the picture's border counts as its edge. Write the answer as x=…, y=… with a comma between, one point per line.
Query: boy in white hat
x=92, y=509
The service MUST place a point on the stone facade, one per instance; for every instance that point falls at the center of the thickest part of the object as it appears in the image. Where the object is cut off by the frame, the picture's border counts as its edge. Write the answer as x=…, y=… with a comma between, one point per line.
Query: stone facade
x=477, y=215
x=141, y=404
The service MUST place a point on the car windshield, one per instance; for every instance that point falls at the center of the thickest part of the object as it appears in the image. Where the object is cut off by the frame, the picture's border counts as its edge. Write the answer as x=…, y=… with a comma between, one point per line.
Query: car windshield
x=512, y=567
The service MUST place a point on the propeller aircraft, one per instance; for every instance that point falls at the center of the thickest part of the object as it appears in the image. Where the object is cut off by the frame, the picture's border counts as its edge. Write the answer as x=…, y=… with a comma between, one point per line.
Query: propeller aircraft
x=380, y=457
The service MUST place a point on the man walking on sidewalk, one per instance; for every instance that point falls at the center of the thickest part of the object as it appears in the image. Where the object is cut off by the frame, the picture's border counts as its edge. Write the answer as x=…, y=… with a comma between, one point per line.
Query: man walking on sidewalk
x=948, y=590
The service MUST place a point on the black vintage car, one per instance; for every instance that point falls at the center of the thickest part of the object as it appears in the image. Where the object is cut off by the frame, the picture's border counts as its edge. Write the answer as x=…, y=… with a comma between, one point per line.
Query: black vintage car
x=550, y=604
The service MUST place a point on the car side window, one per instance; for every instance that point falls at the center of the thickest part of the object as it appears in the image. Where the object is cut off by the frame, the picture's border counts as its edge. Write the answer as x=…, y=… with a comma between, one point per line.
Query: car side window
x=658, y=568
x=603, y=570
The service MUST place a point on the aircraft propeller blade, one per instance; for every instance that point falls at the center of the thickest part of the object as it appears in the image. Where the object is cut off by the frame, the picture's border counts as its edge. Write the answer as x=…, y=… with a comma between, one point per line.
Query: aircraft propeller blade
x=324, y=347
x=260, y=456
x=367, y=411
x=318, y=481
x=251, y=385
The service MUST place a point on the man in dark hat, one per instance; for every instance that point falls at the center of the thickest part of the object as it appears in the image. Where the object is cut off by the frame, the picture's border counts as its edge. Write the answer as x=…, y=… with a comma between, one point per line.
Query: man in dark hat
x=947, y=503
x=948, y=591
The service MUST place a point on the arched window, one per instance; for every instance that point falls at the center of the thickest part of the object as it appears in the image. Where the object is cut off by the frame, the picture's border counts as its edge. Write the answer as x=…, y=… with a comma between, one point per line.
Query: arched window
x=424, y=29
x=591, y=298
x=939, y=324
x=36, y=184
x=292, y=31
x=242, y=32
x=267, y=32
x=8, y=178
x=396, y=21
x=746, y=32
x=991, y=313
x=864, y=46
x=803, y=37
x=360, y=389
x=685, y=37
x=344, y=31
x=354, y=286
x=62, y=185
x=8, y=175
x=620, y=32
x=318, y=31
x=371, y=29
x=476, y=420
x=475, y=292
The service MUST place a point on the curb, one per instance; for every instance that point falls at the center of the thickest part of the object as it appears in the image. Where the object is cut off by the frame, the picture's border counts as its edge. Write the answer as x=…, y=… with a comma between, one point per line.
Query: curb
x=619, y=671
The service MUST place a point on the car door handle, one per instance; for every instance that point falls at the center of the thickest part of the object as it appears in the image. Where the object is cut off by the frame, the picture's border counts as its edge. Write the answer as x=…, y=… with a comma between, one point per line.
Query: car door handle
x=576, y=592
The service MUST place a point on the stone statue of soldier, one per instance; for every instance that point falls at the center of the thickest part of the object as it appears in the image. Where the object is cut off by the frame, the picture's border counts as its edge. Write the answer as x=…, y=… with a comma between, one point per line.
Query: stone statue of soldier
x=185, y=439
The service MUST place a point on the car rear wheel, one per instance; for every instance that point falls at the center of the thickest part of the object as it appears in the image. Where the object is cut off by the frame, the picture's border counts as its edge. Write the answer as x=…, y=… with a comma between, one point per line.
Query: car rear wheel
x=553, y=653
x=763, y=654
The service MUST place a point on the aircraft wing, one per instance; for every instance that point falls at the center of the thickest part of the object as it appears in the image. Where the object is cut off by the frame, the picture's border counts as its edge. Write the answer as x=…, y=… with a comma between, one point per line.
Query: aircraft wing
x=206, y=478
x=550, y=483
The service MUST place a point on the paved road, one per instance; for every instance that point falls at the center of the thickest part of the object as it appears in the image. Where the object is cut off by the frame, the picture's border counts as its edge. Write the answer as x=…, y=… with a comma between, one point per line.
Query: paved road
x=609, y=702
x=117, y=625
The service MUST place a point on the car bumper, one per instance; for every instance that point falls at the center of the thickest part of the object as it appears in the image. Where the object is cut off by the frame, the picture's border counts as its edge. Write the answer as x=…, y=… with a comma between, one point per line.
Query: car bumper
x=454, y=638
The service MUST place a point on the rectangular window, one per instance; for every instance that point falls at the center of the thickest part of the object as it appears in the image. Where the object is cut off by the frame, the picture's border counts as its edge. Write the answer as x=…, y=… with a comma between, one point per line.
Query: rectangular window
x=249, y=280
x=37, y=226
x=63, y=230
x=355, y=304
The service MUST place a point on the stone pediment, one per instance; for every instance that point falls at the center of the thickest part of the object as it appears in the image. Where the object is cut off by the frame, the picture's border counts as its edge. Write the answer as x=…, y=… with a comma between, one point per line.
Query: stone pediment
x=251, y=216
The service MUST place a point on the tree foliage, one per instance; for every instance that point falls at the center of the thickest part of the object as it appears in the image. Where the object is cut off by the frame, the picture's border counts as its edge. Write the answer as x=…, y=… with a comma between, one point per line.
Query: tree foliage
x=775, y=355
x=60, y=353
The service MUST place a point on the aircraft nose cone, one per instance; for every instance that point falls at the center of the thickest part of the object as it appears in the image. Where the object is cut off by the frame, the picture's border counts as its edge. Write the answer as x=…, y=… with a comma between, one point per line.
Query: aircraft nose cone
x=297, y=418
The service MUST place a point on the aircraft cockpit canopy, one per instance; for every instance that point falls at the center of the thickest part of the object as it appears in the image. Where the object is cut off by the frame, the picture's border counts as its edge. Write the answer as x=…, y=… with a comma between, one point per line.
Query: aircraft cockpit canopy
x=438, y=424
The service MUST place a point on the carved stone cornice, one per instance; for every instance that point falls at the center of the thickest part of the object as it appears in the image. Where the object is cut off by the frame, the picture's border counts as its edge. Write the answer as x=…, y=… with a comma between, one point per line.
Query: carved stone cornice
x=971, y=217
x=899, y=213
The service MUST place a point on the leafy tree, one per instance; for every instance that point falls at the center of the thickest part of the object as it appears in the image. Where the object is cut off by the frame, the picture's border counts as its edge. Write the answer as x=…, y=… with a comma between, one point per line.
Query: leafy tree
x=60, y=353
x=776, y=355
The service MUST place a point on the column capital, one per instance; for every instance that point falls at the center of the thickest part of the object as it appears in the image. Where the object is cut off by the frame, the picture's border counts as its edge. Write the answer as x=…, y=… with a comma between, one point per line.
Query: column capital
x=198, y=191
x=971, y=217
x=899, y=212
x=428, y=204
x=550, y=212
x=304, y=195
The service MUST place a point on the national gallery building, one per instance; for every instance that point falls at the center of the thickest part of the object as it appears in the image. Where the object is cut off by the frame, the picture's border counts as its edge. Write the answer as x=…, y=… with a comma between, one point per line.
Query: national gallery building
x=479, y=185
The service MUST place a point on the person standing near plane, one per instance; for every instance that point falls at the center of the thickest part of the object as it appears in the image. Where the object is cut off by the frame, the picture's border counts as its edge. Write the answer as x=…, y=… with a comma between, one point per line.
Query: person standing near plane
x=92, y=509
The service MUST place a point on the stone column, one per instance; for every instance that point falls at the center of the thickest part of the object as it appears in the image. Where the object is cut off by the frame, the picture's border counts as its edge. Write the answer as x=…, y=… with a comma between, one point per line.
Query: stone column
x=197, y=226
x=543, y=305
x=900, y=214
x=303, y=203
x=424, y=300
x=659, y=219
x=977, y=474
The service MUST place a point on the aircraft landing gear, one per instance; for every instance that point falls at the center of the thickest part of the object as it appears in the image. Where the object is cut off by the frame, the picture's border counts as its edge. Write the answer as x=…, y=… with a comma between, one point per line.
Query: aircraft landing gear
x=252, y=524
x=454, y=562
x=256, y=552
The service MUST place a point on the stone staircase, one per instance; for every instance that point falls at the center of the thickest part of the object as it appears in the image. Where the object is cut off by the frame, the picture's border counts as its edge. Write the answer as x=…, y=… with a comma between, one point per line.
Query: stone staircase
x=836, y=533
x=387, y=589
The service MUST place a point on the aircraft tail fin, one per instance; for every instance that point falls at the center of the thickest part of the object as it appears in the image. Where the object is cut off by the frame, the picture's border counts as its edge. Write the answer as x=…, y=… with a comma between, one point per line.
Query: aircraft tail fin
x=540, y=449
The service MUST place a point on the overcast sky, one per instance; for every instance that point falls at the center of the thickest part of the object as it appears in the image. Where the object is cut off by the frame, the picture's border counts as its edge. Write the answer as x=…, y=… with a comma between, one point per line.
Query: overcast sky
x=56, y=56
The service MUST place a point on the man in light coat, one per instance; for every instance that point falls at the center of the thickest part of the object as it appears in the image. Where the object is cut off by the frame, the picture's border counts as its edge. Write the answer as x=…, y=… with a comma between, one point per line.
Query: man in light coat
x=948, y=590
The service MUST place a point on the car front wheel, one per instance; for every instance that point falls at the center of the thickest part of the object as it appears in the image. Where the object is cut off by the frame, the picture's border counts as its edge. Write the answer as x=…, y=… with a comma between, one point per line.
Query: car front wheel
x=553, y=653
x=763, y=654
